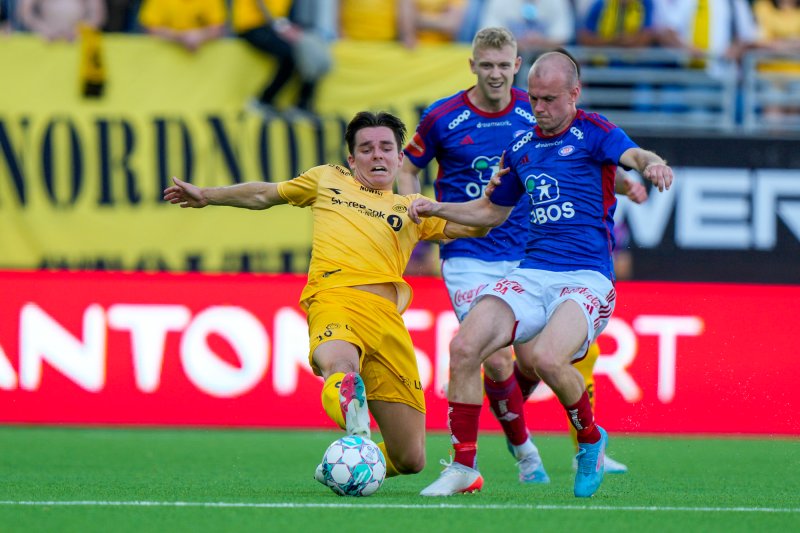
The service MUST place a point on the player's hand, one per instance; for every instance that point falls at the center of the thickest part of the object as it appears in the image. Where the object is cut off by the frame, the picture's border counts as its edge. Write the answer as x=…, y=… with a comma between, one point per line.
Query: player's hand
x=659, y=174
x=635, y=191
x=421, y=208
x=185, y=194
x=496, y=179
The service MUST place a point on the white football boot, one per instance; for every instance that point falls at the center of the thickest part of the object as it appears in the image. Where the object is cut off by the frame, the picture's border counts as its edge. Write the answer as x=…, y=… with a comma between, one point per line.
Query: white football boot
x=454, y=479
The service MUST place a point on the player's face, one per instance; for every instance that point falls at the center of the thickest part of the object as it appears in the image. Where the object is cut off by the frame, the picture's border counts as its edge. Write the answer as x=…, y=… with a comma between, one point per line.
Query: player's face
x=495, y=69
x=553, y=101
x=377, y=158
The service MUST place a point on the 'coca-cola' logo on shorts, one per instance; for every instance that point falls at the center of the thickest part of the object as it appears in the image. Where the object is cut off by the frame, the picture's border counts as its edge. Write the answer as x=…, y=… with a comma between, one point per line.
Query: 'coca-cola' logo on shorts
x=466, y=297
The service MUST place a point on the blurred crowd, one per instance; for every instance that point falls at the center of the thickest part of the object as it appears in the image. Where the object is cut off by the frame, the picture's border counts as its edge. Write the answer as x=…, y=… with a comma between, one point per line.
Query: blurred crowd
x=297, y=33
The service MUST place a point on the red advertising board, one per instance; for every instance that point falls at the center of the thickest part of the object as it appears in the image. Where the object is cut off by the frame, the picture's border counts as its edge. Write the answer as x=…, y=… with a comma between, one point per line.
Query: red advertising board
x=231, y=350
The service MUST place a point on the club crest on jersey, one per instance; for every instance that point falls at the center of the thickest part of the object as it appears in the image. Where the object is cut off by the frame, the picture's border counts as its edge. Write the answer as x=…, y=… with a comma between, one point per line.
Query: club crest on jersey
x=484, y=167
x=544, y=194
x=566, y=150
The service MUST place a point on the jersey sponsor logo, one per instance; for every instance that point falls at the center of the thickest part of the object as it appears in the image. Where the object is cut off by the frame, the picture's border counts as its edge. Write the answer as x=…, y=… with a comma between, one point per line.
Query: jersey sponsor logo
x=459, y=119
x=524, y=114
x=494, y=124
x=416, y=146
x=361, y=208
x=347, y=203
x=544, y=194
x=466, y=297
x=566, y=150
x=399, y=208
x=372, y=191
x=467, y=140
x=484, y=167
x=395, y=222
x=549, y=144
x=576, y=132
x=542, y=189
x=520, y=143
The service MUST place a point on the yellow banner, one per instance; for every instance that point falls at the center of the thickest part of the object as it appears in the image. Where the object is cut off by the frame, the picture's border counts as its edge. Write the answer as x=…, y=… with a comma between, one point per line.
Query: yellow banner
x=81, y=178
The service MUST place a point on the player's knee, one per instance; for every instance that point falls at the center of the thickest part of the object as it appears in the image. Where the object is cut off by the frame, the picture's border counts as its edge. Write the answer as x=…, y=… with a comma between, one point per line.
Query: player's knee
x=462, y=353
x=543, y=364
x=499, y=365
x=409, y=462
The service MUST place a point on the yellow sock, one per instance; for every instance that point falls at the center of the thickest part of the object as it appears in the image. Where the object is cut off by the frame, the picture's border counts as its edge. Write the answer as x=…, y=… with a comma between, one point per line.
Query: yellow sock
x=330, y=398
x=586, y=368
x=391, y=471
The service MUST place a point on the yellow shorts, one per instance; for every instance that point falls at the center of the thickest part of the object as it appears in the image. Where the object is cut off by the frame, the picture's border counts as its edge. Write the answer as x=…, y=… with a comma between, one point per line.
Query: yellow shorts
x=373, y=325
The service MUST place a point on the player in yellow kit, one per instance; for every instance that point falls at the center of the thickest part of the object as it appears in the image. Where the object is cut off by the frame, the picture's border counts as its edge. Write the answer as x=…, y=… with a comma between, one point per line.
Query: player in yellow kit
x=355, y=294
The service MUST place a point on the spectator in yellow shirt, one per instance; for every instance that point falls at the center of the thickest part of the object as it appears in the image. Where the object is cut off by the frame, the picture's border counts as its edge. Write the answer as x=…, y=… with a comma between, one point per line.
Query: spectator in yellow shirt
x=189, y=23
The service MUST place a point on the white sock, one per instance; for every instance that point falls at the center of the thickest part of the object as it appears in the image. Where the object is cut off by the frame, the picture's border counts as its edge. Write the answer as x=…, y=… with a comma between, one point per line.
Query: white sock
x=525, y=449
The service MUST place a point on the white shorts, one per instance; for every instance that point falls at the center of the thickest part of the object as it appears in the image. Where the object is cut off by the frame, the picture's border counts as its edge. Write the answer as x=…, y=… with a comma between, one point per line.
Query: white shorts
x=534, y=295
x=465, y=277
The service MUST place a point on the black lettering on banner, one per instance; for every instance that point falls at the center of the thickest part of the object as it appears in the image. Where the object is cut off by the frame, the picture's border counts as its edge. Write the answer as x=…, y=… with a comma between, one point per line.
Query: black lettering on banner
x=166, y=129
x=54, y=135
x=108, y=131
x=222, y=143
x=13, y=158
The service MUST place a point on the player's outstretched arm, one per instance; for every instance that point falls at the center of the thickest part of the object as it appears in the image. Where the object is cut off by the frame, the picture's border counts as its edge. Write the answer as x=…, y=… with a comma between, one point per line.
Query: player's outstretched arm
x=649, y=165
x=624, y=184
x=251, y=195
x=478, y=213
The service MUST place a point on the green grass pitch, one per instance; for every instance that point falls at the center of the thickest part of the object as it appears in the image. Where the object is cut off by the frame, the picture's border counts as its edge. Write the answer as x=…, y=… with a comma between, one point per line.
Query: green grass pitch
x=90, y=479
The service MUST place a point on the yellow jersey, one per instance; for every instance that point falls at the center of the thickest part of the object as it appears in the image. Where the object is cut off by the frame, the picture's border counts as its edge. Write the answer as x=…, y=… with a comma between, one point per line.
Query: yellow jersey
x=368, y=20
x=361, y=236
x=249, y=14
x=182, y=15
x=435, y=7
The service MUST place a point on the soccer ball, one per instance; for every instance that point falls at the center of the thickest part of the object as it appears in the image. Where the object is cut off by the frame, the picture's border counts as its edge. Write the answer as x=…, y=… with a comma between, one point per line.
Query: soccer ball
x=353, y=466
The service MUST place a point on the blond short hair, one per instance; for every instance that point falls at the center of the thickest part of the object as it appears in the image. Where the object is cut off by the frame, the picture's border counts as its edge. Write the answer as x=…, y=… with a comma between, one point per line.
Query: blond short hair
x=493, y=37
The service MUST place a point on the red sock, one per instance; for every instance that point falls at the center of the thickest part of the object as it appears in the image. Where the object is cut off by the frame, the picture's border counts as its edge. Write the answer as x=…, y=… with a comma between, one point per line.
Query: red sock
x=463, y=422
x=505, y=400
x=526, y=384
x=582, y=418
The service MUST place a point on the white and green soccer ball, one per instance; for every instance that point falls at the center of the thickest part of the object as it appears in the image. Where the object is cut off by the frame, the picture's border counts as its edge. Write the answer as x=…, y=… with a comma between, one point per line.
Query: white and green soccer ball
x=353, y=466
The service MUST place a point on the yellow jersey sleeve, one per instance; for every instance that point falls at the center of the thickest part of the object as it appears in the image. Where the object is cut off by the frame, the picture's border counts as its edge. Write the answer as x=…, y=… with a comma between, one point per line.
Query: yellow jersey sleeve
x=302, y=190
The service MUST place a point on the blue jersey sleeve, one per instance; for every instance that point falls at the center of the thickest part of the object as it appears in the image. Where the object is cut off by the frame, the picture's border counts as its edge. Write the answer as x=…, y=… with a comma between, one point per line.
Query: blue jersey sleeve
x=616, y=143
x=509, y=191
